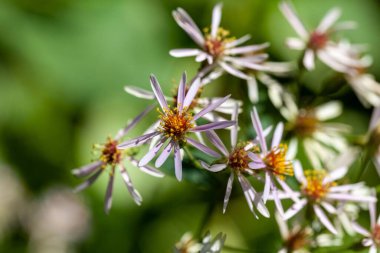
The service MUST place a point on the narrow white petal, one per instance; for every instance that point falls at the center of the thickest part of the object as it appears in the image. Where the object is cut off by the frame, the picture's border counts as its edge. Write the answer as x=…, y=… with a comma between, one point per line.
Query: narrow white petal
x=359, y=229
x=164, y=155
x=228, y=191
x=294, y=209
x=185, y=52
x=233, y=71
x=177, y=162
x=181, y=92
x=253, y=91
x=277, y=134
x=138, y=92
x=328, y=111
x=293, y=19
x=259, y=129
x=335, y=175
x=237, y=42
x=216, y=17
x=191, y=93
x=308, y=59
x=128, y=182
x=328, y=20
x=158, y=92
x=235, y=127
x=324, y=220
x=295, y=43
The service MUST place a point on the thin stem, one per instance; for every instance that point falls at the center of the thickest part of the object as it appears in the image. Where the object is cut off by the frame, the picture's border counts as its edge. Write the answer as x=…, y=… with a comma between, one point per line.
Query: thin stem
x=364, y=167
x=192, y=158
x=206, y=217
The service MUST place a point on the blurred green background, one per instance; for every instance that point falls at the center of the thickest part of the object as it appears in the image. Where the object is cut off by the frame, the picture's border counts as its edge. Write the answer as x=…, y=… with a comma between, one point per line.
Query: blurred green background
x=63, y=66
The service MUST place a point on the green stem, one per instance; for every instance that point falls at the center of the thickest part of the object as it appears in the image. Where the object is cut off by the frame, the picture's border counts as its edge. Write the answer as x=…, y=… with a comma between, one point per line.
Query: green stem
x=234, y=249
x=192, y=158
x=206, y=218
x=363, y=168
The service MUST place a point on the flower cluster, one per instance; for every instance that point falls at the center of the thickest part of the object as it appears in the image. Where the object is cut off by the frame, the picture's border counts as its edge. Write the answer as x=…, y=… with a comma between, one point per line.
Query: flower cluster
x=268, y=165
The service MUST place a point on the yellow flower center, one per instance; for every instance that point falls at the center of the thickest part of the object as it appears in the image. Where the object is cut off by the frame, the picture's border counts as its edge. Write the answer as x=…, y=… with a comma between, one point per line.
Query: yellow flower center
x=174, y=124
x=215, y=46
x=110, y=155
x=238, y=159
x=314, y=188
x=276, y=162
x=306, y=123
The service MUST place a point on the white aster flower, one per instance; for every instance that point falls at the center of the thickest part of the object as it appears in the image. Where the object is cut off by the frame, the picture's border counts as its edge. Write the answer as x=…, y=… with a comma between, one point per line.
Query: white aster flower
x=275, y=162
x=236, y=159
x=318, y=42
x=111, y=158
x=218, y=49
x=322, y=140
x=175, y=124
x=320, y=191
x=372, y=236
x=188, y=244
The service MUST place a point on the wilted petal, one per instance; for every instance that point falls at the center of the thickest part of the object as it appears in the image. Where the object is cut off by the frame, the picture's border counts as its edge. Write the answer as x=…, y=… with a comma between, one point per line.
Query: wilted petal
x=228, y=191
x=88, y=182
x=138, y=92
x=108, y=197
x=128, y=182
x=87, y=169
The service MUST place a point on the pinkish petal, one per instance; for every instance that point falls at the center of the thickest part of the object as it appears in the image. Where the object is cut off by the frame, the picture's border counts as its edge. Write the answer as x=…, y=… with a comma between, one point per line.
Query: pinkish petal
x=277, y=134
x=259, y=129
x=133, y=123
x=214, y=167
x=202, y=148
x=87, y=169
x=294, y=209
x=192, y=92
x=138, y=140
x=185, y=52
x=165, y=154
x=181, y=92
x=217, y=142
x=147, y=169
x=177, y=162
x=328, y=20
x=234, y=71
x=188, y=25
x=234, y=129
x=214, y=125
x=211, y=107
x=139, y=93
x=152, y=152
x=158, y=93
x=256, y=166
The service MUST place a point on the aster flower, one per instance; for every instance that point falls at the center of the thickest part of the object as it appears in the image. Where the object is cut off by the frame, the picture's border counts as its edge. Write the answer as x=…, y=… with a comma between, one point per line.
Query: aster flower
x=374, y=138
x=363, y=84
x=372, y=236
x=301, y=239
x=111, y=158
x=275, y=162
x=197, y=104
x=188, y=244
x=322, y=141
x=218, y=48
x=320, y=191
x=175, y=124
x=317, y=42
x=236, y=159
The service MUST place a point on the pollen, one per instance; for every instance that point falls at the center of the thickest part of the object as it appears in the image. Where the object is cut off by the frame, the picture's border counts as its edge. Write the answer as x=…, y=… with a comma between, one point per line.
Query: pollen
x=277, y=163
x=238, y=159
x=318, y=40
x=110, y=155
x=216, y=46
x=174, y=124
x=306, y=123
x=314, y=188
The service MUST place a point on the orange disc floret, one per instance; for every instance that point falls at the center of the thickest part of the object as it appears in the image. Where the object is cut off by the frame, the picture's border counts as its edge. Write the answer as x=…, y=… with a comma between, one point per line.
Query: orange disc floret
x=110, y=155
x=315, y=189
x=174, y=124
x=215, y=46
x=277, y=163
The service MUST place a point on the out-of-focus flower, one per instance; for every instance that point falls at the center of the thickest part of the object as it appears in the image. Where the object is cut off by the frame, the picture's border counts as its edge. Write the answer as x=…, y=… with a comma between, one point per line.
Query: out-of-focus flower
x=188, y=244
x=110, y=158
x=298, y=238
x=237, y=160
x=11, y=197
x=319, y=41
x=56, y=222
x=175, y=124
x=322, y=141
x=219, y=49
x=197, y=105
x=372, y=235
x=320, y=191
x=275, y=161
x=374, y=138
